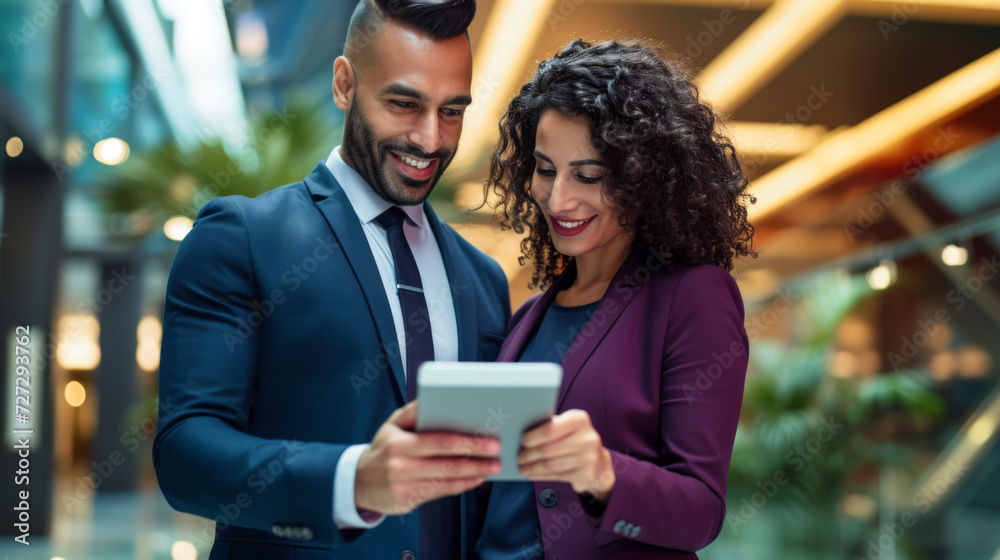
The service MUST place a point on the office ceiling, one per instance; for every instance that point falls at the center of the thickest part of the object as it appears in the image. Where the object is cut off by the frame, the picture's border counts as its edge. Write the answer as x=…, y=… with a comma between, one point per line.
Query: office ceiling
x=828, y=100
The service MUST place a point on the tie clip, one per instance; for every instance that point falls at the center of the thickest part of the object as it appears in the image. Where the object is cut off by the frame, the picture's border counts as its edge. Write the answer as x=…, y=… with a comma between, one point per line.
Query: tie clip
x=411, y=288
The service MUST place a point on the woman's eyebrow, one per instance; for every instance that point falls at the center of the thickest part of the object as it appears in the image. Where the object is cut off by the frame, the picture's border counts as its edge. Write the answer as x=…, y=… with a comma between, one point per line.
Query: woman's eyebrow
x=540, y=155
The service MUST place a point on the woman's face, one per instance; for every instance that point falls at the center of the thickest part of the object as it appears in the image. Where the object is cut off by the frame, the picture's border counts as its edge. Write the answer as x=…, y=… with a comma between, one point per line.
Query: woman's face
x=567, y=185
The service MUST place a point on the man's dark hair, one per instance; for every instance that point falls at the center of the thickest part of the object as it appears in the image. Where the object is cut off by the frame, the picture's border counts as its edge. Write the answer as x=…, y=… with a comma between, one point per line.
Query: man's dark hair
x=439, y=19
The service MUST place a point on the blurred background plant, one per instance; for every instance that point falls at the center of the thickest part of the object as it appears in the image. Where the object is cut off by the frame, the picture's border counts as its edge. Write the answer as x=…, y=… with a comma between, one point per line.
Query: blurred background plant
x=280, y=148
x=811, y=441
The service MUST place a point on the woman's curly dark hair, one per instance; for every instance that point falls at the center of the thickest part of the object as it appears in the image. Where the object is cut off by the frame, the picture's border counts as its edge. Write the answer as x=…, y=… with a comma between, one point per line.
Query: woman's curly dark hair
x=673, y=178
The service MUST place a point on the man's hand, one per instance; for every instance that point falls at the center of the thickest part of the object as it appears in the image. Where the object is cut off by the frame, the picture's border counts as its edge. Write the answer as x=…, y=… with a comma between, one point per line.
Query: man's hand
x=402, y=469
x=567, y=448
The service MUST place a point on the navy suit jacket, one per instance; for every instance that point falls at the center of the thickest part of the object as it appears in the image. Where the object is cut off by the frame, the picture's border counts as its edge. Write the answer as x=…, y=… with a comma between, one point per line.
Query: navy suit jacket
x=278, y=353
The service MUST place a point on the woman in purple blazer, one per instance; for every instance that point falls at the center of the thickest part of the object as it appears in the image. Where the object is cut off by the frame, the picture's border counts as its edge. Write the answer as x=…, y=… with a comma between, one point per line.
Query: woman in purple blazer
x=634, y=208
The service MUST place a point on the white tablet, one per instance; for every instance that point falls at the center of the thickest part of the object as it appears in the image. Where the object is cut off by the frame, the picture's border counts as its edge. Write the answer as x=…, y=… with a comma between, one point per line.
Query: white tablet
x=489, y=399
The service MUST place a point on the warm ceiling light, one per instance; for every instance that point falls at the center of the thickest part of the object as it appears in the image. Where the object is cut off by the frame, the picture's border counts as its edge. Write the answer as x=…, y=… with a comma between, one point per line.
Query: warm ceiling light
x=982, y=429
x=147, y=355
x=79, y=349
x=511, y=32
x=178, y=227
x=774, y=40
x=150, y=329
x=183, y=550
x=111, y=151
x=953, y=255
x=14, y=146
x=147, y=351
x=75, y=394
x=882, y=276
x=844, y=152
x=979, y=12
x=79, y=354
x=775, y=140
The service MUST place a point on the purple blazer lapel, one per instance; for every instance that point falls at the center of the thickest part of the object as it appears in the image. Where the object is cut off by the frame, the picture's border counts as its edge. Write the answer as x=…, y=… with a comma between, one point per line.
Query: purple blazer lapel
x=523, y=327
x=619, y=293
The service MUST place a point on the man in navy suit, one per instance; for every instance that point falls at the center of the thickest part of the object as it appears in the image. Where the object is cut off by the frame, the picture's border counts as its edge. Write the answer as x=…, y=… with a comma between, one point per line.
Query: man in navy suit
x=284, y=369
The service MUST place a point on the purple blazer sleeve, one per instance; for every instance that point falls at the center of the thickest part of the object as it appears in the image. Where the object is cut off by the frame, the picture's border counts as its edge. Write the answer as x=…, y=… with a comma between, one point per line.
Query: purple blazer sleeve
x=680, y=503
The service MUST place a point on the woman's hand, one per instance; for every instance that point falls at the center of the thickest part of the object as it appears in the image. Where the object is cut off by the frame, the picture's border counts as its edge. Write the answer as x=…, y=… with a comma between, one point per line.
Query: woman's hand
x=567, y=448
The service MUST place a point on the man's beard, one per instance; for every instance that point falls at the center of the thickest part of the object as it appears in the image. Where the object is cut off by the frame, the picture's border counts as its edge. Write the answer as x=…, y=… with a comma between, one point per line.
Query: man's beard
x=370, y=158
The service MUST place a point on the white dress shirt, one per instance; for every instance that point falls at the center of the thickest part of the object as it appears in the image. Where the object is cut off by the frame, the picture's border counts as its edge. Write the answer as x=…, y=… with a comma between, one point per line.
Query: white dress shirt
x=437, y=292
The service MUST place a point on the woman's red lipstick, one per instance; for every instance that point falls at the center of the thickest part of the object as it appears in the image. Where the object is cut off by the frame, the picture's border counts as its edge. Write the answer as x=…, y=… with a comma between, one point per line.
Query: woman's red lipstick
x=564, y=231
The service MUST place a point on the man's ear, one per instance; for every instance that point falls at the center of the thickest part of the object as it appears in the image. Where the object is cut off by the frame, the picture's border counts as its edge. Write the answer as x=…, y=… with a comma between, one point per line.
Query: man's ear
x=344, y=83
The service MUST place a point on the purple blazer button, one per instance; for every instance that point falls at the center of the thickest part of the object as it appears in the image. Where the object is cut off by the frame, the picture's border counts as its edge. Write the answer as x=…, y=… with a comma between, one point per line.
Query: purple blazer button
x=548, y=498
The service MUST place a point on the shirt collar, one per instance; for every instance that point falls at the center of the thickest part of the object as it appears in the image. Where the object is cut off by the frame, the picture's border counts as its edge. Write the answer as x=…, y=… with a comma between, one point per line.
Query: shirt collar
x=367, y=204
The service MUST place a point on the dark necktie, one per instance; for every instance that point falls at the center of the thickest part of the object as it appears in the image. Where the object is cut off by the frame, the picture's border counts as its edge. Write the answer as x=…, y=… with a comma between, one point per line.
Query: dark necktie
x=416, y=320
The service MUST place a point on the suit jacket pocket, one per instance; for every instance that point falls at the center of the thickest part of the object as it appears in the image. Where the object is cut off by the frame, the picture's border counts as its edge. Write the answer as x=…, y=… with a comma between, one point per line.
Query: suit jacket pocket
x=489, y=347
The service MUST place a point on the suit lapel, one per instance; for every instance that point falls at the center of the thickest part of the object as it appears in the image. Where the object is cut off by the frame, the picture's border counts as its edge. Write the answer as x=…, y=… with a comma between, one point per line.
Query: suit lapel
x=521, y=334
x=462, y=294
x=620, y=292
x=333, y=203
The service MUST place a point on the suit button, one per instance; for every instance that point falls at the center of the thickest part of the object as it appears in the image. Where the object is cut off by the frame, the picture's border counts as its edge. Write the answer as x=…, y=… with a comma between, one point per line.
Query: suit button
x=408, y=555
x=548, y=498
